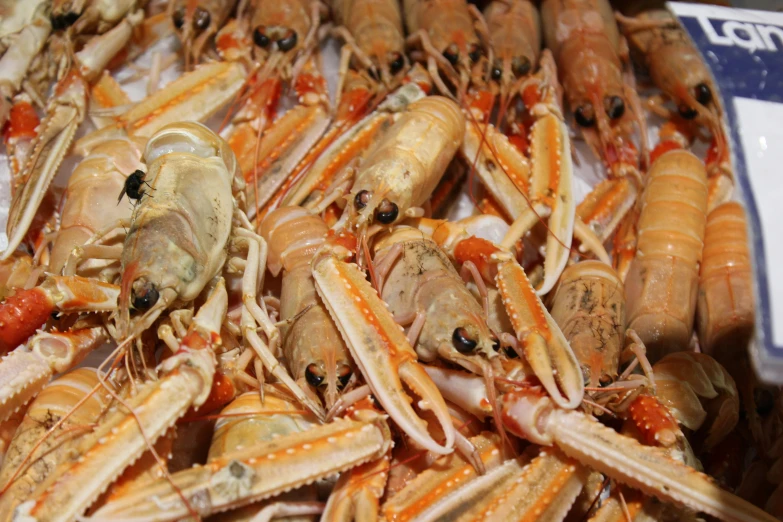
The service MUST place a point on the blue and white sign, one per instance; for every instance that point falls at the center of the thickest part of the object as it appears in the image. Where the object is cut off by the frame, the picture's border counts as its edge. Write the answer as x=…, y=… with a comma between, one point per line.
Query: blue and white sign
x=744, y=50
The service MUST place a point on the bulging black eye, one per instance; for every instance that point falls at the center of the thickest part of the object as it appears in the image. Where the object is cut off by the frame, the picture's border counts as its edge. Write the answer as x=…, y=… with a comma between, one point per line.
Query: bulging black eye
x=387, y=212
x=475, y=53
x=497, y=72
x=64, y=21
x=687, y=112
x=508, y=351
x=703, y=94
x=288, y=42
x=451, y=54
x=361, y=199
x=584, y=116
x=201, y=19
x=462, y=343
x=144, y=295
x=397, y=63
x=312, y=376
x=342, y=380
x=178, y=18
x=520, y=66
x=260, y=38
x=615, y=108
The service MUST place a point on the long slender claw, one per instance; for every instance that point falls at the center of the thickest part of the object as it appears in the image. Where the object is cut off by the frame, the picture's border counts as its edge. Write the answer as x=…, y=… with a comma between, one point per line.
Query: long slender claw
x=552, y=182
x=123, y=436
x=590, y=241
x=546, y=349
x=281, y=148
x=502, y=168
x=257, y=471
x=64, y=114
x=380, y=349
x=607, y=204
x=544, y=489
x=25, y=311
x=351, y=144
x=24, y=373
x=622, y=458
x=435, y=489
x=17, y=58
x=354, y=105
x=194, y=96
x=466, y=390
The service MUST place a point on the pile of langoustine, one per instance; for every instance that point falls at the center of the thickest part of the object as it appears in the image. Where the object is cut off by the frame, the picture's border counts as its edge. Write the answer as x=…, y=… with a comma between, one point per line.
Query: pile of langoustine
x=285, y=291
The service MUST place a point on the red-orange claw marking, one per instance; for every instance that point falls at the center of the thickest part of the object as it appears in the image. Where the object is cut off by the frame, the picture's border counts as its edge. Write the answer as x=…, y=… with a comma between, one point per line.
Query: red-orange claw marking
x=21, y=315
x=481, y=102
x=22, y=121
x=474, y=249
x=221, y=393
x=654, y=422
x=431, y=489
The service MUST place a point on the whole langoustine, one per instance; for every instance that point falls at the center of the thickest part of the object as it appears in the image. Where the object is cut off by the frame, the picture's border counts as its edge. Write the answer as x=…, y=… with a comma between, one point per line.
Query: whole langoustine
x=178, y=237
x=585, y=41
x=662, y=284
x=312, y=344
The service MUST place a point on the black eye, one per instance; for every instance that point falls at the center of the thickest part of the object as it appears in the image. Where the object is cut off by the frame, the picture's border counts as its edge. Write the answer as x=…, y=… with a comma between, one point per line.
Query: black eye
x=64, y=21
x=703, y=94
x=520, y=66
x=288, y=42
x=178, y=18
x=686, y=112
x=260, y=38
x=497, y=72
x=475, y=53
x=201, y=19
x=144, y=295
x=451, y=54
x=342, y=380
x=462, y=343
x=508, y=351
x=397, y=64
x=312, y=377
x=584, y=116
x=361, y=199
x=615, y=108
x=387, y=212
